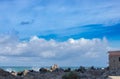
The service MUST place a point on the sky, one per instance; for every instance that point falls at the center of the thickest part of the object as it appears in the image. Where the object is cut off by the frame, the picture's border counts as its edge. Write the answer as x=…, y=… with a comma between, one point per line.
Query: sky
x=63, y=32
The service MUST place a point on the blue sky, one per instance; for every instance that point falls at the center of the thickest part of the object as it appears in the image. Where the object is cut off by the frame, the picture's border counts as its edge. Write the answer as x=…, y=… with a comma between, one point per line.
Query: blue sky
x=65, y=32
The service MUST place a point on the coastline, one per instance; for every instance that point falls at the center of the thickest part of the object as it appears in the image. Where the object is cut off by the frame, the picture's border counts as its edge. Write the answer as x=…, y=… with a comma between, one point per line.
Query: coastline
x=36, y=68
x=56, y=72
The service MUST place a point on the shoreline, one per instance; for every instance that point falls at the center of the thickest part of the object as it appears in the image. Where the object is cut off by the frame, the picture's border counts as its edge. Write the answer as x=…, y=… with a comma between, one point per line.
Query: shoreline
x=56, y=72
x=36, y=68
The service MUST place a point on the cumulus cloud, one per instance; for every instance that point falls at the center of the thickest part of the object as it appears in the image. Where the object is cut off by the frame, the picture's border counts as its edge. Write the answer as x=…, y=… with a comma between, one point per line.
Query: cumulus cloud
x=39, y=50
x=38, y=47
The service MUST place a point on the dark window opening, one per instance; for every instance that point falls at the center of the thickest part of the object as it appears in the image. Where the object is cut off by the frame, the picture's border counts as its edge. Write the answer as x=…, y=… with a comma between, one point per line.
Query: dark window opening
x=113, y=60
x=119, y=59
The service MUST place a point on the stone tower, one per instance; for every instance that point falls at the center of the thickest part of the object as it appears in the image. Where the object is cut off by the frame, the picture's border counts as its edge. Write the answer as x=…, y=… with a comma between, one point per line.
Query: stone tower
x=114, y=59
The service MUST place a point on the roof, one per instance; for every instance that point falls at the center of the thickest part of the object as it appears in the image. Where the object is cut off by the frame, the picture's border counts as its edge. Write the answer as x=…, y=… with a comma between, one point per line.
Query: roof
x=118, y=51
x=114, y=53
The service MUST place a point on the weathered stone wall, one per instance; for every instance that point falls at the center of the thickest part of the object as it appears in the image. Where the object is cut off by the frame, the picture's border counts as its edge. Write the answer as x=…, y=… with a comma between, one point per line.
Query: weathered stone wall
x=114, y=61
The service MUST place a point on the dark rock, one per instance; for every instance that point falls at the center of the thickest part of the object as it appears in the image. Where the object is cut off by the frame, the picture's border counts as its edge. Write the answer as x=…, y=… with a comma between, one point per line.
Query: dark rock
x=6, y=75
x=93, y=68
x=81, y=69
x=58, y=70
x=19, y=73
x=43, y=70
x=67, y=70
x=23, y=73
x=31, y=71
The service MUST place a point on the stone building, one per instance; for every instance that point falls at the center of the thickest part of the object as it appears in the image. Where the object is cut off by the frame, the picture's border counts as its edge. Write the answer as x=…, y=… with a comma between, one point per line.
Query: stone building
x=114, y=59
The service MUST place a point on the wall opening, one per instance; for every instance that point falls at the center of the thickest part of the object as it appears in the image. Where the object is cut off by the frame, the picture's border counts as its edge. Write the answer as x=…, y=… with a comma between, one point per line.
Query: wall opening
x=119, y=59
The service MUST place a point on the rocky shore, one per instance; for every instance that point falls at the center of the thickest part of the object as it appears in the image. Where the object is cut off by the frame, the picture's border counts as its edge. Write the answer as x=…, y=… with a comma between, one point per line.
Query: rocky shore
x=58, y=73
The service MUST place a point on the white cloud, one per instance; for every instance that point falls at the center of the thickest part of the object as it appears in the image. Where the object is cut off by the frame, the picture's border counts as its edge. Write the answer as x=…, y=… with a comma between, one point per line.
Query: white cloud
x=39, y=50
x=47, y=54
x=51, y=48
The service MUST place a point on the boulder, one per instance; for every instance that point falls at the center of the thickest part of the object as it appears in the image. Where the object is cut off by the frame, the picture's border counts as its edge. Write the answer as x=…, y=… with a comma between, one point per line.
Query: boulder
x=6, y=75
x=67, y=70
x=43, y=70
x=58, y=70
x=25, y=72
x=54, y=67
x=14, y=73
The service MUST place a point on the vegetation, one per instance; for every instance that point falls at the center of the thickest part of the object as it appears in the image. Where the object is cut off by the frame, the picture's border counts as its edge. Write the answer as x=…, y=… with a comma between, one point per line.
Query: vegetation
x=71, y=75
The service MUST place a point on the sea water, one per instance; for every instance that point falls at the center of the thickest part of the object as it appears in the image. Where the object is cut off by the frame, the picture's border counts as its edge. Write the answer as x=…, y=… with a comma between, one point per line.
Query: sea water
x=19, y=68
x=22, y=68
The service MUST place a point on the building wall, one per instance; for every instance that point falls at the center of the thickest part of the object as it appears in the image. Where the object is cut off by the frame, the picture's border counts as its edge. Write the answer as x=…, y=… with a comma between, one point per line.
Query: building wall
x=114, y=60
x=113, y=77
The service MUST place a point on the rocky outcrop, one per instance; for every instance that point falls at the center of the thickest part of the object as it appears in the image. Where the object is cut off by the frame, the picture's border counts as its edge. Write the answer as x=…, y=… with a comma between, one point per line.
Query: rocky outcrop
x=14, y=73
x=43, y=70
x=59, y=73
x=54, y=67
x=7, y=75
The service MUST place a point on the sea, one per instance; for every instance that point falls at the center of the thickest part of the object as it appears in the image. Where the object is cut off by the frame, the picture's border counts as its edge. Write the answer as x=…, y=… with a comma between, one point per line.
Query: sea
x=22, y=68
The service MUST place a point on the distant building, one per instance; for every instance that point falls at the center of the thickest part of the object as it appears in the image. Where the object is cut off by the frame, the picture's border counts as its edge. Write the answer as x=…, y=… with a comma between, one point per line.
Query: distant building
x=114, y=59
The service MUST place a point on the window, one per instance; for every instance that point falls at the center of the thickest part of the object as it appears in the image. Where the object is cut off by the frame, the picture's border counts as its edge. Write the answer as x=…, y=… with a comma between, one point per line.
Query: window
x=119, y=59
